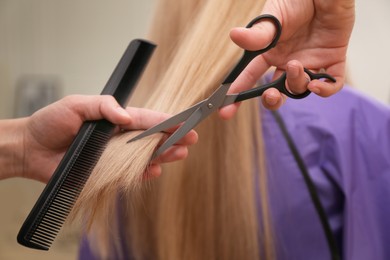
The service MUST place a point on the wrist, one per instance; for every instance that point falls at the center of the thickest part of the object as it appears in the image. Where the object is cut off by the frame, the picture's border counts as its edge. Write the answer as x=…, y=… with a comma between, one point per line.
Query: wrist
x=12, y=148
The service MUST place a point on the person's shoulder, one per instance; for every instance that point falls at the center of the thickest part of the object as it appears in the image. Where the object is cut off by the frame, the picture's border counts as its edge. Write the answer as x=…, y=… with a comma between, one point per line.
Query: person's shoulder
x=353, y=99
x=348, y=106
x=345, y=120
x=341, y=131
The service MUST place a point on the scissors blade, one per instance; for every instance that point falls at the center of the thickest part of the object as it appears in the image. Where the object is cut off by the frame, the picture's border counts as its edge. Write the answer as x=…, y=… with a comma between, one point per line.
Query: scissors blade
x=205, y=108
x=170, y=122
x=191, y=122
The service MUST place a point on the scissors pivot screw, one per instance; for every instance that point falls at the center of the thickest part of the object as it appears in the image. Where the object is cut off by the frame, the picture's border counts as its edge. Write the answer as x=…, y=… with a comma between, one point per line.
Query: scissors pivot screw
x=194, y=115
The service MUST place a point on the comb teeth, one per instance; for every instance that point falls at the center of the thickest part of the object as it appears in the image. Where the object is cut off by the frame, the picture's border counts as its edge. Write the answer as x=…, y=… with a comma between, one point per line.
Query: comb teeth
x=57, y=199
x=57, y=206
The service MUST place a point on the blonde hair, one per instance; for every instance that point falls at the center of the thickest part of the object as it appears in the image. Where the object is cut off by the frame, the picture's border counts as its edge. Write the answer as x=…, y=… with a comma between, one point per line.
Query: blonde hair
x=204, y=207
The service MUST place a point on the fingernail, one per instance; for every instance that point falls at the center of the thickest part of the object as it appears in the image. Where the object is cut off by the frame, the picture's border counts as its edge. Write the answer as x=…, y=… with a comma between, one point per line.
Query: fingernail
x=293, y=71
x=241, y=29
x=123, y=112
x=271, y=100
x=315, y=90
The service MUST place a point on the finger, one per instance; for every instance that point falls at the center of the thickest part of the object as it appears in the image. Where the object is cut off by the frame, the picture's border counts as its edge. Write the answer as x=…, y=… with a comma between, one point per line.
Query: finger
x=97, y=107
x=246, y=80
x=174, y=153
x=229, y=111
x=324, y=88
x=142, y=118
x=327, y=88
x=153, y=171
x=272, y=99
x=257, y=37
x=296, y=78
x=189, y=139
x=250, y=75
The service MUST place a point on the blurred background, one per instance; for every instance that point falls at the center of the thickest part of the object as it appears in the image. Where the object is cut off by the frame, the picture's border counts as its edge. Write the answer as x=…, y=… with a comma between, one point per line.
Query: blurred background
x=48, y=49
x=52, y=48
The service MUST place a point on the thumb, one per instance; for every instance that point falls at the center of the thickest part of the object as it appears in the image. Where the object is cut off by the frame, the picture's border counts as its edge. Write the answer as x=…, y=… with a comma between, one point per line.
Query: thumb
x=259, y=36
x=98, y=107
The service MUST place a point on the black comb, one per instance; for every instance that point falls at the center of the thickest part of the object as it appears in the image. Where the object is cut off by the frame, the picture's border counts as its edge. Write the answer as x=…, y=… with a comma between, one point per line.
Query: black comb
x=57, y=199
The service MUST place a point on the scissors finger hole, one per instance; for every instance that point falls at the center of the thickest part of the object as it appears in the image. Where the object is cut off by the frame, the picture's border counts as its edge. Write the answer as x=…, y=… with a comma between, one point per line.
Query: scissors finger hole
x=277, y=24
x=288, y=92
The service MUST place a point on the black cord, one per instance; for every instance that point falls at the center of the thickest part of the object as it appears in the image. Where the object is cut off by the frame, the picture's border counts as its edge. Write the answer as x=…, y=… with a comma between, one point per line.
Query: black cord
x=311, y=188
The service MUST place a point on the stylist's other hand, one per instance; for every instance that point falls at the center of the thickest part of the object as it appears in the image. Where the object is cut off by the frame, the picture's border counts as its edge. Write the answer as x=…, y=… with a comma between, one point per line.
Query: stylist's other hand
x=49, y=131
x=315, y=35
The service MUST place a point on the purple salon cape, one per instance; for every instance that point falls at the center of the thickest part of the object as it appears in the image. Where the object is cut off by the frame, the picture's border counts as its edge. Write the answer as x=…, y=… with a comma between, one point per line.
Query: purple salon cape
x=344, y=141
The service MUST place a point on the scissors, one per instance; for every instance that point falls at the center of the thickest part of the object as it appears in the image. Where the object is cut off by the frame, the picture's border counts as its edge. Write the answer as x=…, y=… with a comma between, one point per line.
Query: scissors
x=198, y=112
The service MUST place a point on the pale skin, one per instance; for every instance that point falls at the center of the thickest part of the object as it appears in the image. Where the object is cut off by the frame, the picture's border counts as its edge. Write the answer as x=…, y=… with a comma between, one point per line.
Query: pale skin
x=32, y=147
x=315, y=35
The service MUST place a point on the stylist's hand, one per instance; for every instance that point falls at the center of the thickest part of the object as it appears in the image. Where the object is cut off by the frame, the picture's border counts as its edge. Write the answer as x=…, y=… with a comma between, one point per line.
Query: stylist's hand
x=315, y=35
x=49, y=132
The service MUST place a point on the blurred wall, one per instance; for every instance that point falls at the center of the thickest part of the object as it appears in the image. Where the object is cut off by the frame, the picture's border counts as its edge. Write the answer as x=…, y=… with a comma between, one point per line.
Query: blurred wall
x=369, y=52
x=77, y=42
